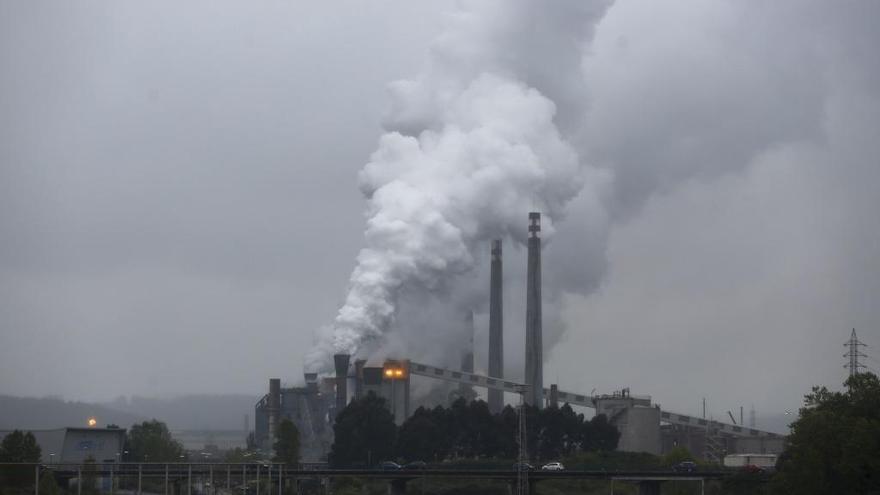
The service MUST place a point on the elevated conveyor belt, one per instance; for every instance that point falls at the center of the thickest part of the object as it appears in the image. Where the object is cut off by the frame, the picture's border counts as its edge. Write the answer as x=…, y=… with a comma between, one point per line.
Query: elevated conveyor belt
x=465, y=378
x=476, y=380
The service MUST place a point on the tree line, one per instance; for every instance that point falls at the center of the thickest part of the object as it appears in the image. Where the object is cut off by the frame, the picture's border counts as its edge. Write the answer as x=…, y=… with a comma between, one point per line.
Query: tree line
x=365, y=433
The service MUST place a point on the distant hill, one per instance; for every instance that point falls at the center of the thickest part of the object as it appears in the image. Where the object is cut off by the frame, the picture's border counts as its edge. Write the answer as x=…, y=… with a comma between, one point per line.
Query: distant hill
x=50, y=412
x=189, y=412
x=193, y=412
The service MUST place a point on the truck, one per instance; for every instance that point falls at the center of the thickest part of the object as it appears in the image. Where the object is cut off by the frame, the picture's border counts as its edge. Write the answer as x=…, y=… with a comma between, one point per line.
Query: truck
x=750, y=461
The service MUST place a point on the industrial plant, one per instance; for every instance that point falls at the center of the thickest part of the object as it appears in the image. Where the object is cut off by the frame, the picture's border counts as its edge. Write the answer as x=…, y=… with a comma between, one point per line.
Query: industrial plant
x=643, y=425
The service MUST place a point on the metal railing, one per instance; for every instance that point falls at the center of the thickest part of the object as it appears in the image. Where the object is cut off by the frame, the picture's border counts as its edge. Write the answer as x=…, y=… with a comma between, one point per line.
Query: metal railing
x=183, y=478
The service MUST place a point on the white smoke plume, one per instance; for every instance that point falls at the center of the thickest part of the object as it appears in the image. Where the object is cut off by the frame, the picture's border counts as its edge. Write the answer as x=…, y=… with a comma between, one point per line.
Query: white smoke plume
x=472, y=146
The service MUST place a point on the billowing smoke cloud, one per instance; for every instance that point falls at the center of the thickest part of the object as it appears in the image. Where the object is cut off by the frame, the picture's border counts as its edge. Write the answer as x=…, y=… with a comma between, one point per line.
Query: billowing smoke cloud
x=521, y=109
x=472, y=146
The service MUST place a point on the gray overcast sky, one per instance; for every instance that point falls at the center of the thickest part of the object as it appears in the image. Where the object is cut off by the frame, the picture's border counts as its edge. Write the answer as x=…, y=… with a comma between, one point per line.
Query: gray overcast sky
x=179, y=209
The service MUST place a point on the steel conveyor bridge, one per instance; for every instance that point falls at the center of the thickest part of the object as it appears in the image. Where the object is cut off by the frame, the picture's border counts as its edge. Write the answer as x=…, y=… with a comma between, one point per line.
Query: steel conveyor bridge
x=582, y=400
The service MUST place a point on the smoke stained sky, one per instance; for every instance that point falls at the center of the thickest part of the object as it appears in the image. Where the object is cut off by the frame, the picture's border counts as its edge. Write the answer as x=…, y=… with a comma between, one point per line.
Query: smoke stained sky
x=179, y=204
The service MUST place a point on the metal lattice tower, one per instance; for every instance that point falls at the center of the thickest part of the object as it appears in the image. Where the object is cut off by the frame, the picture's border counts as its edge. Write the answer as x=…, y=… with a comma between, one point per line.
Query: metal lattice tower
x=854, y=354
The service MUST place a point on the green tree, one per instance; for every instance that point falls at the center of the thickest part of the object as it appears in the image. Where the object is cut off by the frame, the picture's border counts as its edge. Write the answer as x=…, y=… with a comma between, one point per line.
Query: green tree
x=508, y=424
x=287, y=443
x=364, y=432
x=551, y=433
x=421, y=437
x=151, y=441
x=834, y=446
x=599, y=435
x=18, y=446
x=48, y=484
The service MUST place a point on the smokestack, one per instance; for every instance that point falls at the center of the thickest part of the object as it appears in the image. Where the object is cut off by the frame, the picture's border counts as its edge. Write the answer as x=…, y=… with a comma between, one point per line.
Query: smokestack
x=534, y=333
x=274, y=408
x=467, y=357
x=341, y=362
x=359, y=378
x=311, y=381
x=496, y=328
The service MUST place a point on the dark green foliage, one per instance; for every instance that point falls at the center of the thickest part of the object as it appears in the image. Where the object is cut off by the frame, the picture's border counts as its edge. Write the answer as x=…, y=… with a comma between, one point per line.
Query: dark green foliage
x=471, y=431
x=507, y=424
x=287, y=443
x=18, y=446
x=364, y=433
x=423, y=436
x=834, y=446
x=48, y=484
x=599, y=435
x=151, y=441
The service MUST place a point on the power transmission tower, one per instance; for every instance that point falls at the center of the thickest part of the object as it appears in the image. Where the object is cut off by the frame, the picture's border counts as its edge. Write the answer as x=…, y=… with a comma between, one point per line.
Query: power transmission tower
x=854, y=354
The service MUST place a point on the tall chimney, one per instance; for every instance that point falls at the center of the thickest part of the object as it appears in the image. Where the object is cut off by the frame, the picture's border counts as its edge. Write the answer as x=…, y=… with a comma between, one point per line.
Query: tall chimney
x=467, y=357
x=359, y=378
x=274, y=408
x=534, y=337
x=311, y=380
x=496, y=328
x=341, y=362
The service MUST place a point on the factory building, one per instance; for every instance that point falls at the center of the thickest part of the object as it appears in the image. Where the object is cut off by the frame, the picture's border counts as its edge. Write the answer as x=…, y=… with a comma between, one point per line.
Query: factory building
x=635, y=418
x=710, y=442
x=76, y=445
x=643, y=426
x=311, y=408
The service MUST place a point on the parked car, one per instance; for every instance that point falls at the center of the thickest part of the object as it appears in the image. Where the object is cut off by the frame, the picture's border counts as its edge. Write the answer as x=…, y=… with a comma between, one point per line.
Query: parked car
x=753, y=469
x=685, y=467
x=553, y=466
x=416, y=465
x=525, y=466
x=389, y=466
